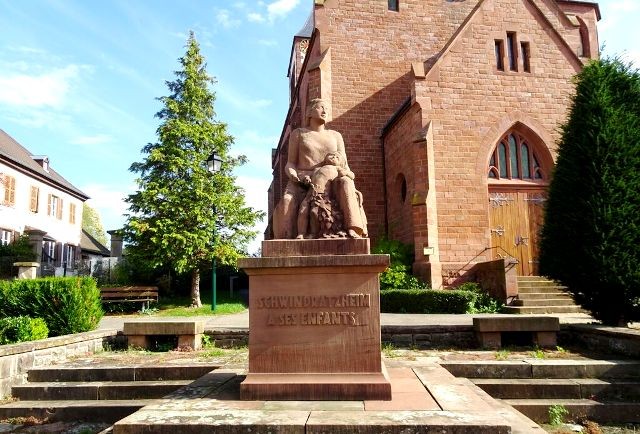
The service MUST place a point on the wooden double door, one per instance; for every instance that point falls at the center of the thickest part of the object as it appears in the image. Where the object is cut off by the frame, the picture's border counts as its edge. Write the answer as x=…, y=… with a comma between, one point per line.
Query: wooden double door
x=515, y=218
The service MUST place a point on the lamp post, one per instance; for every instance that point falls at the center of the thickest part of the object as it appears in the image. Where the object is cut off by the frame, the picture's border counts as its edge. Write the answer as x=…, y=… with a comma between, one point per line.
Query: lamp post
x=214, y=163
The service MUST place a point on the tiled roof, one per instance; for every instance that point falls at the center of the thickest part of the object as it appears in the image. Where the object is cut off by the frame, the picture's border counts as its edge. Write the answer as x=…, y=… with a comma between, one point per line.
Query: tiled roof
x=90, y=244
x=13, y=152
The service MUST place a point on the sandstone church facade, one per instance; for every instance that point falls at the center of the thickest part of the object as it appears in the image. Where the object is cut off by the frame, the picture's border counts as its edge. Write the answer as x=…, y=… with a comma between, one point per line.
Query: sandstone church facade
x=450, y=112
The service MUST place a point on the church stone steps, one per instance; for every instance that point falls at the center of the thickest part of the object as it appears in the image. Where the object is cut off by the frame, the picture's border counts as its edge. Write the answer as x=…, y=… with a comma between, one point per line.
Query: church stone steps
x=601, y=412
x=542, y=309
x=537, y=302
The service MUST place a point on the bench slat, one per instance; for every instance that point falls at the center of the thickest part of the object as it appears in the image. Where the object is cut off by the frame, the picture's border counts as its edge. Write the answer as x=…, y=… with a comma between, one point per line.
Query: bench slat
x=129, y=294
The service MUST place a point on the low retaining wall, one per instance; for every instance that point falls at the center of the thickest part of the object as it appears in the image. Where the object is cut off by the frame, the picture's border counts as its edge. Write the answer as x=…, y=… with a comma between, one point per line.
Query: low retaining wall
x=608, y=340
x=17, y=359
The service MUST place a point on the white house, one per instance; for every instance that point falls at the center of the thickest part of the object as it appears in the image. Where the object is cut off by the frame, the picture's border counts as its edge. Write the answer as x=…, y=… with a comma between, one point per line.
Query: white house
x=36, y=200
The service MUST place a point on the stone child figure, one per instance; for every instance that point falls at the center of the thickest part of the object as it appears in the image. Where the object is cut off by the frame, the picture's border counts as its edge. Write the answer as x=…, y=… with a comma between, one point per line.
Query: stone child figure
x=317, y=215
x=308, y=148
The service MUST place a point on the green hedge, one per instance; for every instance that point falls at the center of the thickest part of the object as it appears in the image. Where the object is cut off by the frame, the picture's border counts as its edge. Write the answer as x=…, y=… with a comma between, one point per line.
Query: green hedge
x=426, y=301
x=67, y=304
x=22, y=329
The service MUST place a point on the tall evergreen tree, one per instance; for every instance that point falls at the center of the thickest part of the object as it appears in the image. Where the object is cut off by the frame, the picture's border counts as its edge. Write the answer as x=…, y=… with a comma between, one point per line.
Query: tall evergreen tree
x=591, y=237
x=178, y=202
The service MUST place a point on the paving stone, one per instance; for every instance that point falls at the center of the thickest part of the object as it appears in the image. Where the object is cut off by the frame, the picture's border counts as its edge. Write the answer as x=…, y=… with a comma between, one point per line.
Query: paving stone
x=405, y=422
x=213, y=421
x=489, y=369
x=313, y=405
x=457, y=397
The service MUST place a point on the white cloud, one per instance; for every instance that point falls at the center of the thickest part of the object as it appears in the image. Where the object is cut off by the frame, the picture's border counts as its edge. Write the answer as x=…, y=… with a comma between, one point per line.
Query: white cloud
x=632, y=56
x=280, y=8
x=625, y=5
x=268, y=42
x=224, y=19
x=255, y=17
x=256, y=196
x=48, y=89
x=109, y=203
x=98, y=139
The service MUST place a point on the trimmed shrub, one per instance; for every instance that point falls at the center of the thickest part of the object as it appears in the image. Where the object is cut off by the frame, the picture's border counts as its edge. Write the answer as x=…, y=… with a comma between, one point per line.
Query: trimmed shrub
x=67, y=304
x=426, y=301
x=22, y=329
x=398, y=275
x=484, y=303
x=590, y=241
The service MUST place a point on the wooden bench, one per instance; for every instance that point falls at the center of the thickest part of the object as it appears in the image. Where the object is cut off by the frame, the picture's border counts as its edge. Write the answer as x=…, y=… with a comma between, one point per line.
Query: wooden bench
x=189, y=332
x=542, y=329
x=122, y=294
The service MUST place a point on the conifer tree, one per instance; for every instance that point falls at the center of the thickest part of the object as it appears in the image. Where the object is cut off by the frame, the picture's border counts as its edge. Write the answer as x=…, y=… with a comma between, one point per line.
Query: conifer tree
x=178, y=202
x=590, y=241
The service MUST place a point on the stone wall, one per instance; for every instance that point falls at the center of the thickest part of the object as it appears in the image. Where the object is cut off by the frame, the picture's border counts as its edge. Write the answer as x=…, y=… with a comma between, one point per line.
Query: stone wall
x=603, y=339
x=17, y=359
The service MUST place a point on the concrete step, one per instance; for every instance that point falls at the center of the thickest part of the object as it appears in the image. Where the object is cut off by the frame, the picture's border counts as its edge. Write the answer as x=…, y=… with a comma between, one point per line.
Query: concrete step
x=543, y=368
x=555, y=301
x=544, y=290
x=536, y=278
x=545, y=388
x=96, y=390
x=120, y=373
x=542, y=309
x=544, y=295
x=91, y=411
x=601, y=412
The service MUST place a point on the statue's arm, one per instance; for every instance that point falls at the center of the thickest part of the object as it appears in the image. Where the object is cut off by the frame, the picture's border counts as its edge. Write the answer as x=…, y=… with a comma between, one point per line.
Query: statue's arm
x=292, y=157
x=343, y=171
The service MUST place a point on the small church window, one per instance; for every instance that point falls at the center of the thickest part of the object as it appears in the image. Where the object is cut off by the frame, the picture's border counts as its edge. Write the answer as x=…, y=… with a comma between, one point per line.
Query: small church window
x=526, y=56
x=499, y=54
x=512, y=51
x=514, y=158
x=394, y=5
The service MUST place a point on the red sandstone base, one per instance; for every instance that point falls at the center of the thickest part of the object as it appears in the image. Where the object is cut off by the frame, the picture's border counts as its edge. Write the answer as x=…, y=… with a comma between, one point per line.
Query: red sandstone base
x=314, y=328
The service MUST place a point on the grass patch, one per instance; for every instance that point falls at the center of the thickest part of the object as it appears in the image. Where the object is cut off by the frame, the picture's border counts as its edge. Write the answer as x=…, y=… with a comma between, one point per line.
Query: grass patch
x=180, y=307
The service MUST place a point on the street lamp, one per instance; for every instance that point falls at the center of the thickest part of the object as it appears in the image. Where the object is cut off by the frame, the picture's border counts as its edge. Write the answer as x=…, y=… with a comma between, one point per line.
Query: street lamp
x=214, y=163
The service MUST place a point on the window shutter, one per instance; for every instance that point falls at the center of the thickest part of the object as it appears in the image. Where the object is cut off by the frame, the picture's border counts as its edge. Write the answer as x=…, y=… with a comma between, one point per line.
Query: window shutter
x=11, y=187
x=34, y=199
x=59, y=216
x=49, y=199
x=58, y=255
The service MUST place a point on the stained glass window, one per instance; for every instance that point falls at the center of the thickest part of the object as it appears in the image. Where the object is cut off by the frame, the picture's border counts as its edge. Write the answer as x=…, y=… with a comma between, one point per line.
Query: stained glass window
x=514, y=158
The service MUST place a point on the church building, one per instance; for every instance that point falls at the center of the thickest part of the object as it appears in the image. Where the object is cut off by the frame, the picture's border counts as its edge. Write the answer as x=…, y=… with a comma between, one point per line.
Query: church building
x=450, y=112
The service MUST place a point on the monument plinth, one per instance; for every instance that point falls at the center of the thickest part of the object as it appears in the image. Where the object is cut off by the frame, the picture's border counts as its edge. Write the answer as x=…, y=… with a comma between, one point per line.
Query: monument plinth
x=314, y=322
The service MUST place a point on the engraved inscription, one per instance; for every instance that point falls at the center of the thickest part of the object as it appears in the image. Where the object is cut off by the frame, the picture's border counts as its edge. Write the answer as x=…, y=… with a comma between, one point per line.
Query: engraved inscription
x=324, y=310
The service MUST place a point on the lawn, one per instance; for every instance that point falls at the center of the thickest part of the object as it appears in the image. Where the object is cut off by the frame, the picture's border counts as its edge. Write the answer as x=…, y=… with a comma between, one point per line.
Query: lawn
x=179, y=306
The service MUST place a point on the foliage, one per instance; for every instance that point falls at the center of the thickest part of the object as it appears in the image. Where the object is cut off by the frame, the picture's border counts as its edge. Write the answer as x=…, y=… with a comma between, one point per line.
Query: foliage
x=484, y=303
x=22, y=329
x=92, y=224
x=398, y=275
x=172, y=216
x=19, y=249
x=557, y=413
x=426, y=301
x=590, y=241
x=176, y=307
x=66, y=304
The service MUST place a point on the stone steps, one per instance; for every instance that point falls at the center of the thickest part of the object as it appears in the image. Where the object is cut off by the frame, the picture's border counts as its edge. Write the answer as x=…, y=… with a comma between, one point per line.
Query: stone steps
x=536, y=294
x=98, y=393
x=609, y=412
x=542, y=309
x=601, y=390
x=96, y=390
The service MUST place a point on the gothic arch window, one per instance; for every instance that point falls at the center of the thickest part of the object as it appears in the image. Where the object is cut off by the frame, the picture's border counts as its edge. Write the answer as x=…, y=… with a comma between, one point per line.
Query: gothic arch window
x=514, y=157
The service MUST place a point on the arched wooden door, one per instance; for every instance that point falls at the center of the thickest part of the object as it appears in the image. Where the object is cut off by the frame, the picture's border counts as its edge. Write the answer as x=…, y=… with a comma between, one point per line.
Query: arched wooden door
x=517, y=194
x=516, y=217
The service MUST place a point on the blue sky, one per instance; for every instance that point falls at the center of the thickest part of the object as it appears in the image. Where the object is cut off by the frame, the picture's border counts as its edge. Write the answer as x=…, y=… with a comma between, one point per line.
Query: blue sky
x=79, y=78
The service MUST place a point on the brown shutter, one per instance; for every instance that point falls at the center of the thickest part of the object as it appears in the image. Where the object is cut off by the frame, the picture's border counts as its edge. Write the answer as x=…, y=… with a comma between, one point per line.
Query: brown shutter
x=34, y=199
x=49, y=200
x=58, y=255
x=12, y=190
x=59, y=216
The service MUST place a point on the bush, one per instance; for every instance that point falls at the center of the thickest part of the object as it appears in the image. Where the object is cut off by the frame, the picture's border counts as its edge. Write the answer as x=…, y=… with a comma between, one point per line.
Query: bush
x=590, y=240
x=67, y=304
x=22, y=329
x=426, y=301
x=484, y=303
x=398, y=275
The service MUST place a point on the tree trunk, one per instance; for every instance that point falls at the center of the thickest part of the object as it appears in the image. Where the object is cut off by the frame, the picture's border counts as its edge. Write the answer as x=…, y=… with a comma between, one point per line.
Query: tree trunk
x=195, y=289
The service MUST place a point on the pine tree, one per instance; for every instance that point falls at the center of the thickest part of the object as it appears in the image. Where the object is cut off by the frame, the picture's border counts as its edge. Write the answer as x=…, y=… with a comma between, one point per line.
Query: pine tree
x=178, y=202
x=590, y=241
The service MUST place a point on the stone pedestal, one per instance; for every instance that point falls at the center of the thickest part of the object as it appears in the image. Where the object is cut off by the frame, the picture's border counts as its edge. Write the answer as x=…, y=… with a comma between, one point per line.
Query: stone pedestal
x=27, y=270
x=314, y=324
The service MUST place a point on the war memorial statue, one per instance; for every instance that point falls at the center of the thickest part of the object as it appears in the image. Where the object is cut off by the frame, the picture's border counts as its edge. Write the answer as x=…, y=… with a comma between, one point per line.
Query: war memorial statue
x=338, y=211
